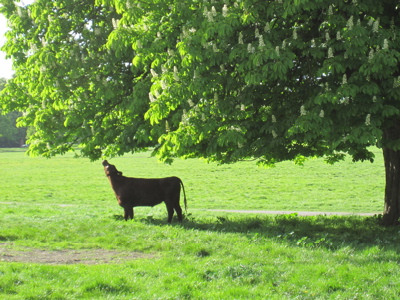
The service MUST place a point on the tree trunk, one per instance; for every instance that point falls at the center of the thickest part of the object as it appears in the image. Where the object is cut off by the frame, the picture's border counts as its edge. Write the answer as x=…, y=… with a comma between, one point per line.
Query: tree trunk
x=391, y=157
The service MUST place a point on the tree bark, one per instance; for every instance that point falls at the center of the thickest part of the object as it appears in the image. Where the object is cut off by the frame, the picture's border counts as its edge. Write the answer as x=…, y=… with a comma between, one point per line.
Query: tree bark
x=391, y=213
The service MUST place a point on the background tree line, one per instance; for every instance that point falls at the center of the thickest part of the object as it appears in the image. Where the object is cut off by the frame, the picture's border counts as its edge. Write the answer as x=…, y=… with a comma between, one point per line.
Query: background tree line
x=10, y=134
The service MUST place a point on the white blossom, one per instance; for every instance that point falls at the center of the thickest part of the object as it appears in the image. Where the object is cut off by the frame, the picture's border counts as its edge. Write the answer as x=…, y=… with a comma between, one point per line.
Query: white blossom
x=273, y=119
x=240, y=41
x=375, y=27
x=210, y=17
x=151, y=97
x=321, y=113
x=374, y=99
x=176, y=76
x=371, y=54
x=215, y=49
x=261, y=42
x=385, y=44
x=153, y=73
x=267, y=28
x=371, y=22
x=164, y=85
x=327, y=37
x=344, y=81
x=313, y=43
x=338, y=36
x=350, y=23
x=225, y=11
x=303, y=111
x=330, y=52
x=277, y=50
x=250, y=48
x=330, y=10
x=257, y=33
x=274, y=134
x=213, y=11
x=368, y=120
x=114, y=23
x=284, y=44
x=396, y=82
x=295, y=34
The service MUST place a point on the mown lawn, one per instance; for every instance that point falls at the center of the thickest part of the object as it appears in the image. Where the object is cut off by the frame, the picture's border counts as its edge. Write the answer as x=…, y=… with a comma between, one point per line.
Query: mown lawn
x=67, y=204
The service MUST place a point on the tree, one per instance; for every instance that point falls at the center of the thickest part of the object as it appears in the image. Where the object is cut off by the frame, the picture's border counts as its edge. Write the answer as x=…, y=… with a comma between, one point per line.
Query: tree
x=225, y=80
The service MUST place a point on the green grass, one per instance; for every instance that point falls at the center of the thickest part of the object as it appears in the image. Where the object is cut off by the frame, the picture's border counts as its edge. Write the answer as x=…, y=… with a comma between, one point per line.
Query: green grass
x=67, y=203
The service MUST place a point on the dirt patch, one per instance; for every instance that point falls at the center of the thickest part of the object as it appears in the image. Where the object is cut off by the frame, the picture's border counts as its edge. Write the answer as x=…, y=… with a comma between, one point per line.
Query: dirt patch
x=64, y=257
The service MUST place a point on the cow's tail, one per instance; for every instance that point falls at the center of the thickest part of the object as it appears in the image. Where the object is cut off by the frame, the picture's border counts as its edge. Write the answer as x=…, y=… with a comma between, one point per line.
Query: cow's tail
x=184, y=195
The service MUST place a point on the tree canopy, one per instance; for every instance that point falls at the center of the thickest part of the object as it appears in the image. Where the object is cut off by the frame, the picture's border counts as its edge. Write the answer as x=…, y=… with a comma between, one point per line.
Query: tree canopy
x=225, y=80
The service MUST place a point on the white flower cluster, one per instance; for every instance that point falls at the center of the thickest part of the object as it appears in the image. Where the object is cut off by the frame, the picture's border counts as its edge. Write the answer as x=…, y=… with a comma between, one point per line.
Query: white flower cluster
x=153, y=73
x=176, y=76
x=303, y=111
x=330, y=52
x=277, y=50
x=151, y=97
x=250, y=48
x=368, y=120
x=210, y=14
x=385, y=45
x=330, y=10
x=396, y=82
x=371, y=54
x=344, y=81
x=350, y=23
x=240, y=41
x=115, y=23
x=225, y=11
x=375, y=26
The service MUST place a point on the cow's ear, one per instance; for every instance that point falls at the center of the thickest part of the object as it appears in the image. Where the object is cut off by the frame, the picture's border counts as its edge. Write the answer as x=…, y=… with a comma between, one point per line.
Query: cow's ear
x=119, y=173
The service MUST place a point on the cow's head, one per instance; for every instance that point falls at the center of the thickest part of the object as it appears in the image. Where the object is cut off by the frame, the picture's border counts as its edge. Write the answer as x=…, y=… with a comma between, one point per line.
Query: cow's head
x=110, y=169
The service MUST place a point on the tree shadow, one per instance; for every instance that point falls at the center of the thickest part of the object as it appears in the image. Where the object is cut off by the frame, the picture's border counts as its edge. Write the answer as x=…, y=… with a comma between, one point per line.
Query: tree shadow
x=329, y=232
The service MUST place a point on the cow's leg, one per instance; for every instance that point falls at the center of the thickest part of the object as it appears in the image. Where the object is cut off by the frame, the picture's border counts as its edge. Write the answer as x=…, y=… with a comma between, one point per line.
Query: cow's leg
x=170, y=210
x=178, y=210
x=128, y=213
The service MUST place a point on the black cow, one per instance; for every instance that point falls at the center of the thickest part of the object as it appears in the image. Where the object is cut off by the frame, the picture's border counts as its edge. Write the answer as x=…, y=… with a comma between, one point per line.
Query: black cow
x=132, y=192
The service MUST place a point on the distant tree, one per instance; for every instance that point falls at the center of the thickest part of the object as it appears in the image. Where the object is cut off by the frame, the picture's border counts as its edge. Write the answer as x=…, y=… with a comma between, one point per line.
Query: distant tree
x=225, y=80
x=10, y=135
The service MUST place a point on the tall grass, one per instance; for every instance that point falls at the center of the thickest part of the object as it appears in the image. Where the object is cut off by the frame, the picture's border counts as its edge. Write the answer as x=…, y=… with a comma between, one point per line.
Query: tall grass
x=66, y=203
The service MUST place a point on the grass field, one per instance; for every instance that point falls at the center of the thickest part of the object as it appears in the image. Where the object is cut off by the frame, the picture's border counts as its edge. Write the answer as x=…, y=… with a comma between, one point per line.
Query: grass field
x=62, y=237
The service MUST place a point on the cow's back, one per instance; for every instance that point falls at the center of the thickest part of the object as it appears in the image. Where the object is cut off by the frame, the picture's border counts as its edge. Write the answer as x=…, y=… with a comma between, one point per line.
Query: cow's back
x=148, y=191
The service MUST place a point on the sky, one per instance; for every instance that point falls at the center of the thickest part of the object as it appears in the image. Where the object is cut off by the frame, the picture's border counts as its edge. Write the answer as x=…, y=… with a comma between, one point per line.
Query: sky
x=5, y=65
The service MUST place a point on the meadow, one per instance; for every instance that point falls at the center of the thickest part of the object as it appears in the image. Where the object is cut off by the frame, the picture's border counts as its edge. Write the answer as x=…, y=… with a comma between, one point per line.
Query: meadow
x=62, y=235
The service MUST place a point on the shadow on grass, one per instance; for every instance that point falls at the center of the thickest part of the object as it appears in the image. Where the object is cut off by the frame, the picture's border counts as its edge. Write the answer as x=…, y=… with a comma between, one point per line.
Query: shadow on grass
x=330, y=232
